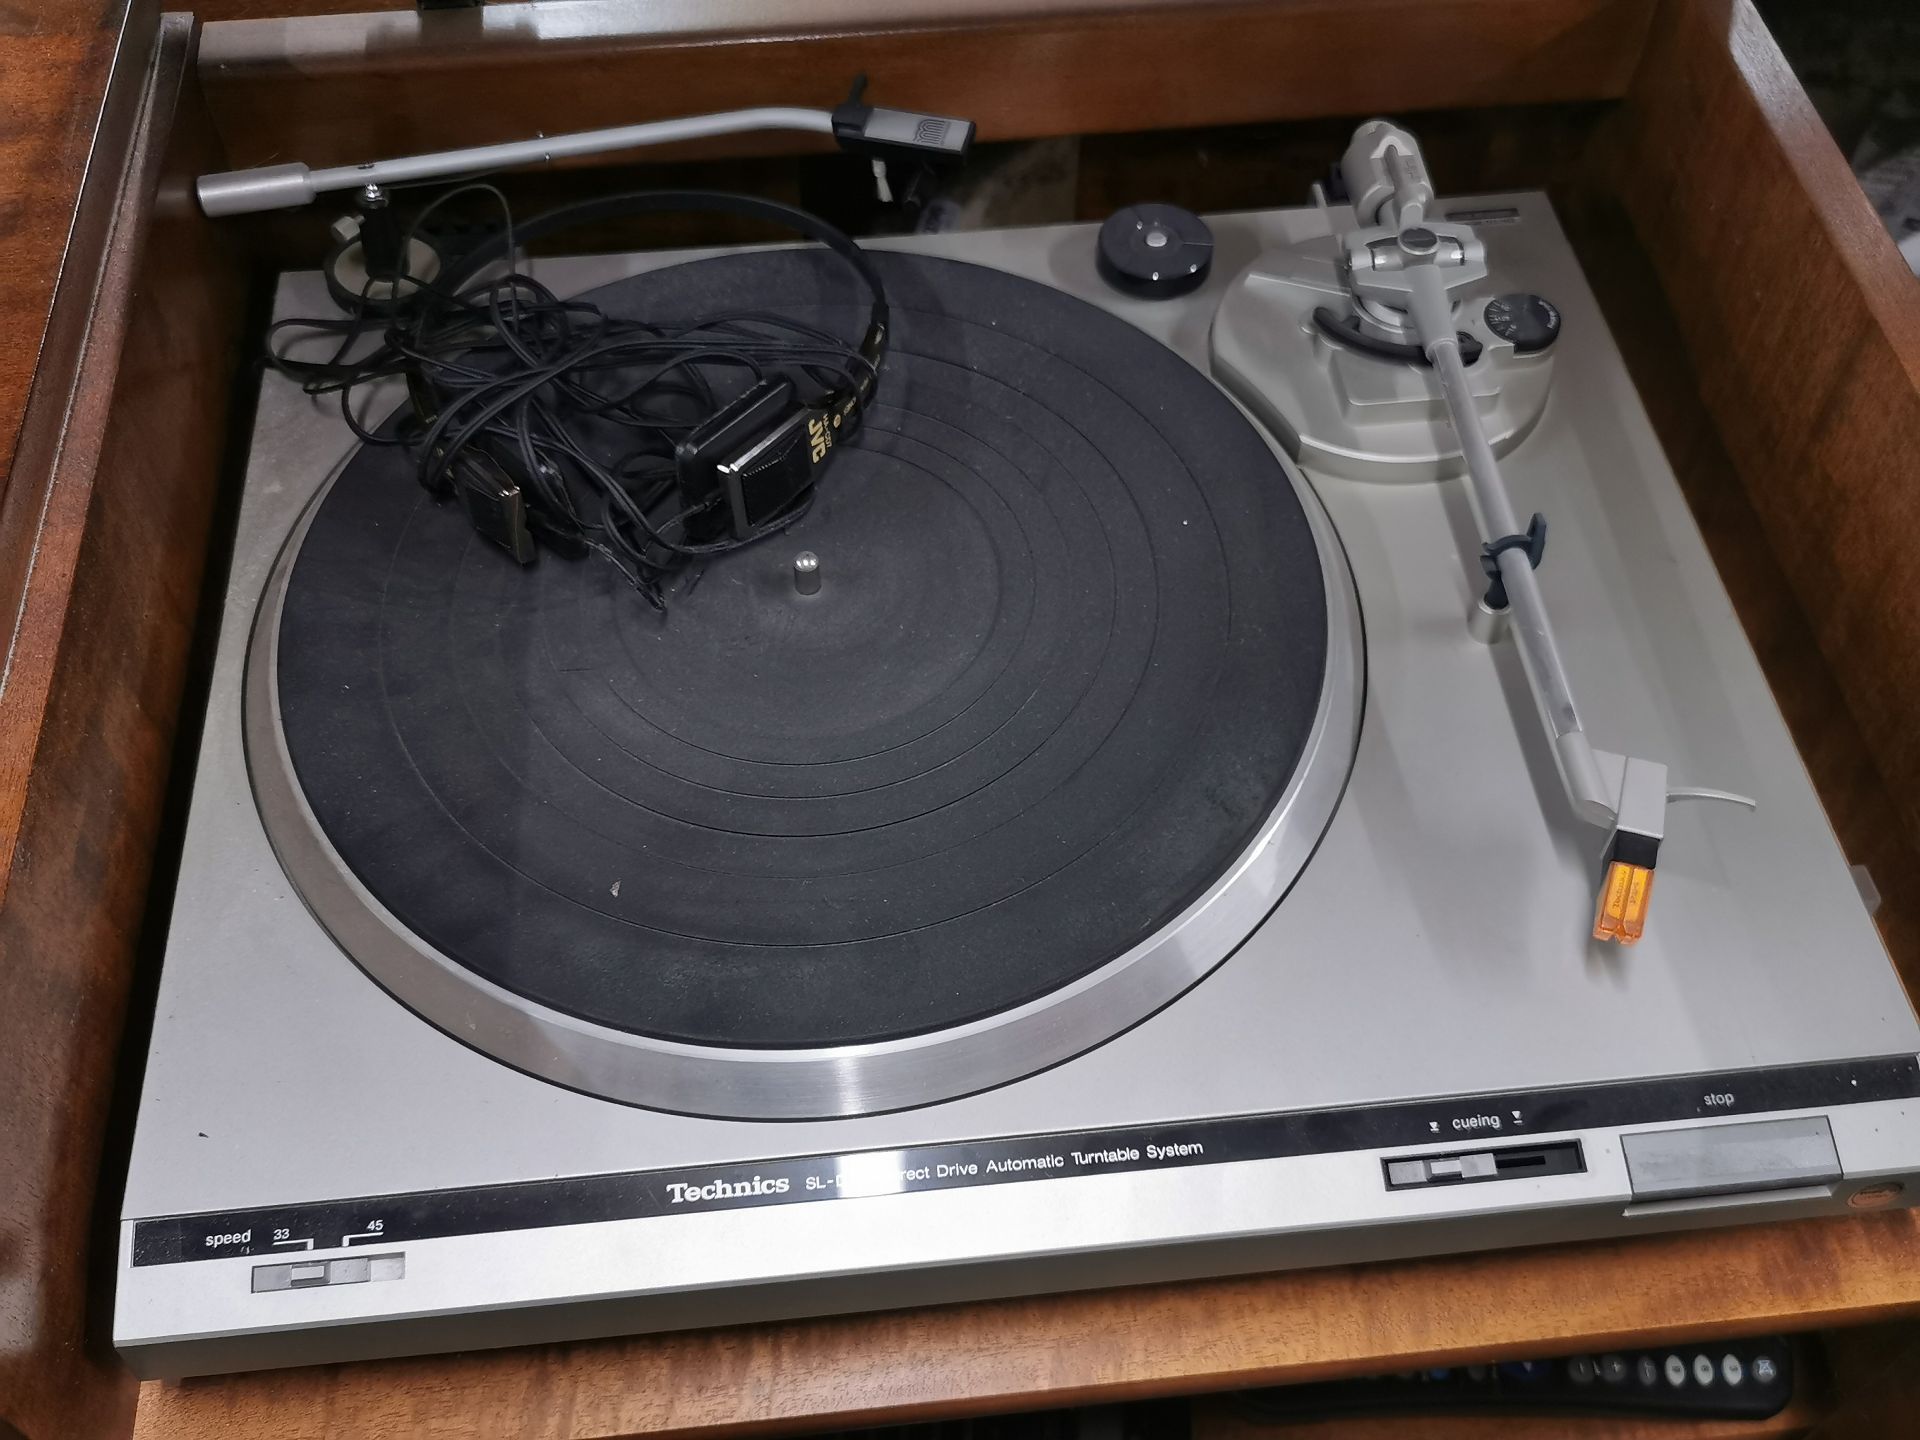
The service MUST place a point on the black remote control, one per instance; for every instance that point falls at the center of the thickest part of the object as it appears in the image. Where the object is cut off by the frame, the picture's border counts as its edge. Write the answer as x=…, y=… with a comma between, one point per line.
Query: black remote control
x=1733, y=1379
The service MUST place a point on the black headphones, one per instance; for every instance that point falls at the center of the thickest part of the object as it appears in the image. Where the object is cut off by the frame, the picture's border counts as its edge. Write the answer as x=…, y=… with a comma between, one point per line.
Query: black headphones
x=743, y=468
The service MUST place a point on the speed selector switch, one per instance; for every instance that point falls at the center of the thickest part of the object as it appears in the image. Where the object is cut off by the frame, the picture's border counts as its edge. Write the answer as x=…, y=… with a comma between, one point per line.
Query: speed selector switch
x=346, y=1270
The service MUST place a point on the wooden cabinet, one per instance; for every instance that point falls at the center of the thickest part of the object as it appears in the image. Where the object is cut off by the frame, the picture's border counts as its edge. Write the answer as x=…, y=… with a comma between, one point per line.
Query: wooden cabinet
x=1767, y=318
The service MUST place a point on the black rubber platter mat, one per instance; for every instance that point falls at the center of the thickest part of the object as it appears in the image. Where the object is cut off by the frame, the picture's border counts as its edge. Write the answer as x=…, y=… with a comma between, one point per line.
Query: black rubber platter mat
x=1067, y=648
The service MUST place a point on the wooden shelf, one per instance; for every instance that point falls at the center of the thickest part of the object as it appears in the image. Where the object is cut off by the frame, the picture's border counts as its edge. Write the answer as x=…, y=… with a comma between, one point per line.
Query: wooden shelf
x=1007, y=1355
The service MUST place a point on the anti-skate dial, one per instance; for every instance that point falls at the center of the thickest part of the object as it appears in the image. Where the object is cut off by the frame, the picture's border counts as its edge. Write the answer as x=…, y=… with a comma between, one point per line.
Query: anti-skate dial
x=1529, y=322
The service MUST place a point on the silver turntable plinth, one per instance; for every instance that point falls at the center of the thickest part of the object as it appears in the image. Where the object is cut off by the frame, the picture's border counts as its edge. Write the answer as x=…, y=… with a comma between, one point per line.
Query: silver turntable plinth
x=1422, y=1049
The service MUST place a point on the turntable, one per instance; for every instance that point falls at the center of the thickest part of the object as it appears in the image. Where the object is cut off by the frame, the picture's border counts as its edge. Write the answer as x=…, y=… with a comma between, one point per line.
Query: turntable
x=1133, y=827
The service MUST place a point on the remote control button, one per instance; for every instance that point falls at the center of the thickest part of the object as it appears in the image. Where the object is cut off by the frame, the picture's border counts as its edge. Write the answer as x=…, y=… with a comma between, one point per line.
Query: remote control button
x=1676, y=1371
x=1580, y=1370
x=1647, y=1369
x=1702, y=1370
x=1731, y=1370
x=1440, y=1373
x=1614, y=1369
x=1765, y=1372
x=1524, y=1369
x=1477, y=1373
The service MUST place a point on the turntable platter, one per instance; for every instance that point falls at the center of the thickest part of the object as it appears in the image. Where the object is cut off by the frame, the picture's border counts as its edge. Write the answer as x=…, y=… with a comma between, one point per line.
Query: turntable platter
x=1011, y=779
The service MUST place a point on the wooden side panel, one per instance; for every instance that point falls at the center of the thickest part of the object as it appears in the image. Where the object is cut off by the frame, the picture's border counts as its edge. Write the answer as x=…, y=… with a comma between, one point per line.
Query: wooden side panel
x=345, y=89
x=1803, y=325
x=55, y=56
x=91, y=697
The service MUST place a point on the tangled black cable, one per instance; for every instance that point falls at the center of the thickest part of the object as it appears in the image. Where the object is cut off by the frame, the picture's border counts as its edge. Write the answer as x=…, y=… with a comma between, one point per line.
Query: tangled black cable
x=575, y=413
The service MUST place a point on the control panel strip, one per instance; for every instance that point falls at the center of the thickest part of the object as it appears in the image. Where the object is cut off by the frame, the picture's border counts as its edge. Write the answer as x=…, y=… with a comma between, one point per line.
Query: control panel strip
x=1475, y=1120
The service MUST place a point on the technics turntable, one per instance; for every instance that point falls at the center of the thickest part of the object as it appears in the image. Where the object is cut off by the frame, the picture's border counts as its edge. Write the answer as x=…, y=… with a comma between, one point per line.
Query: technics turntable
x=1113, y=836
